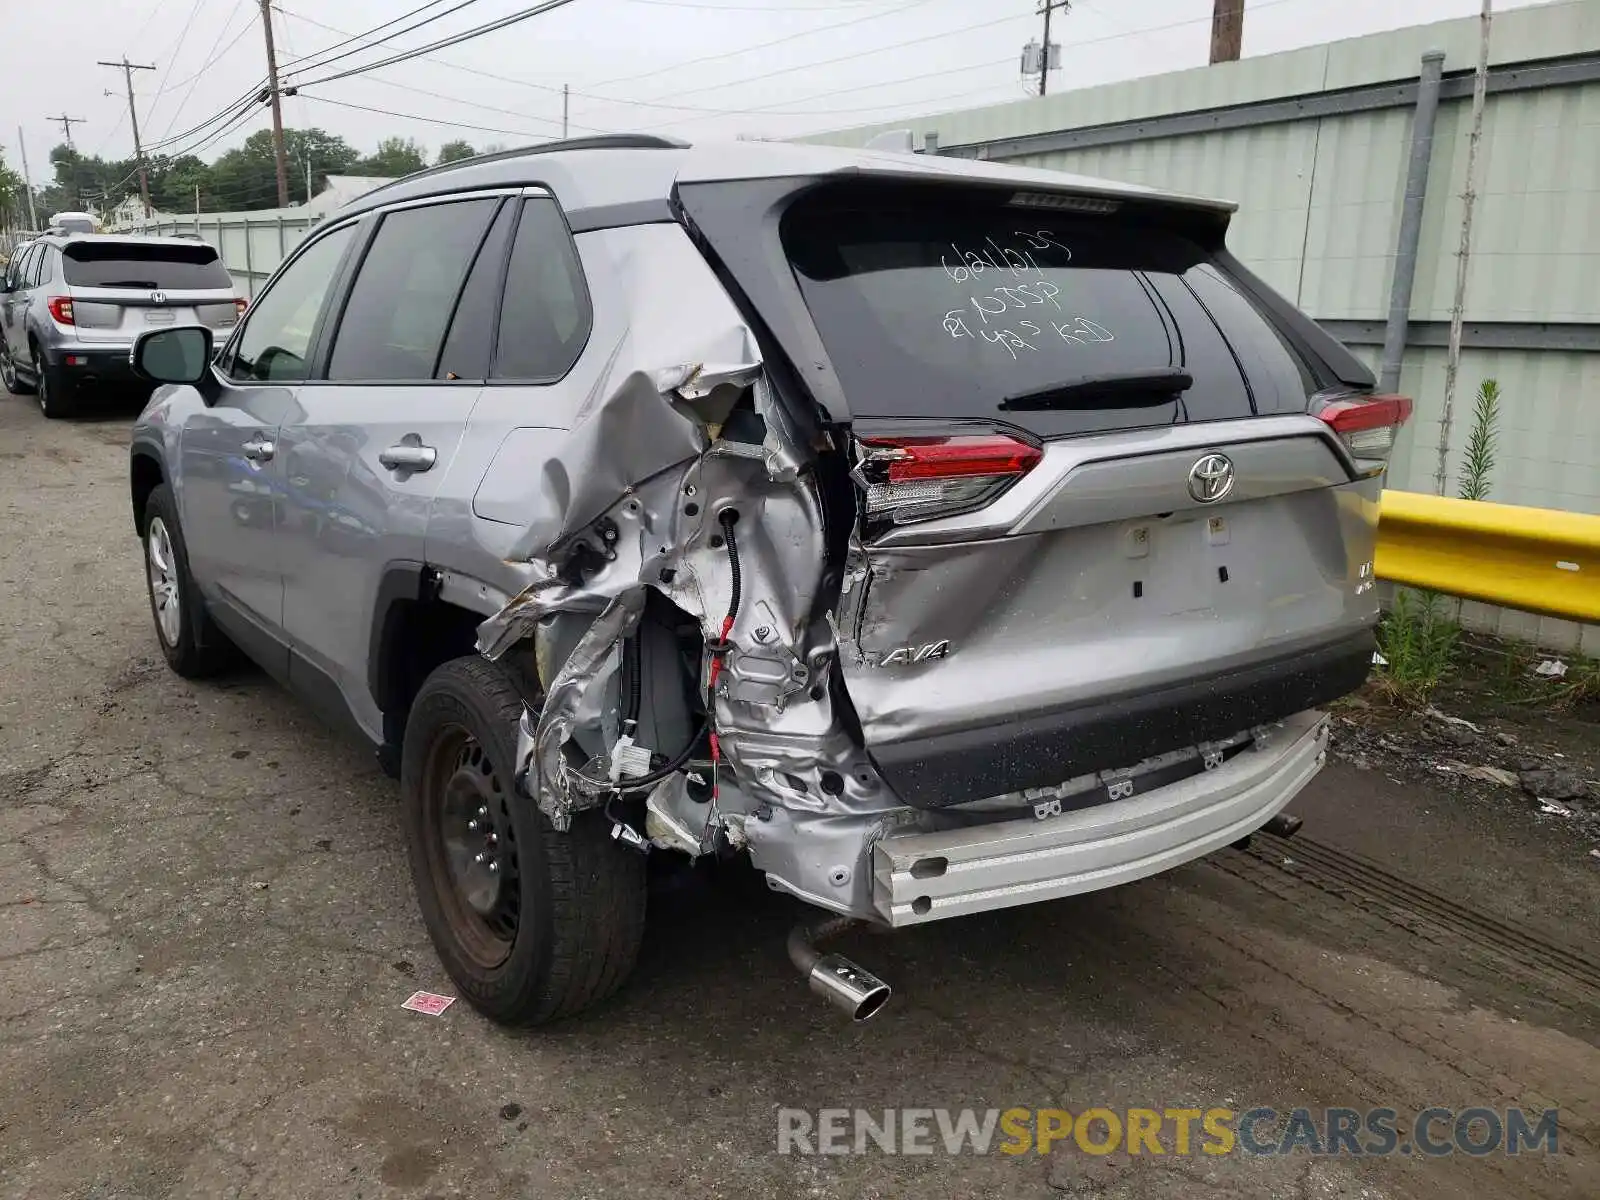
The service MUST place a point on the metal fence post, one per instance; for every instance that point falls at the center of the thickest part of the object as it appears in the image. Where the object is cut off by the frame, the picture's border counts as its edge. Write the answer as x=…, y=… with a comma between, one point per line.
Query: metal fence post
x=1405, y=257
x=249, y=268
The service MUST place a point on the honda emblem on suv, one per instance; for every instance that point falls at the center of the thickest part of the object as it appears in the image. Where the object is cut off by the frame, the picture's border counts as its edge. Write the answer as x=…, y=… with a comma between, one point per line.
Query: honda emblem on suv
x=1211, y=478
x=158, y=297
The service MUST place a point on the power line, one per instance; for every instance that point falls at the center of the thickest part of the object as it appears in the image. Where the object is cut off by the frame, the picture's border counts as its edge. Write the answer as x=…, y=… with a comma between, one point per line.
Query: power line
x=467, y=35
x=760, y=8
x=244, y=101
x=213, y=56
x=427, y=120
x=172, y=58
x=1077, y=45
x=791, y=37
x=322, y=62
x=554, y=122
x=553, y=91
x=253, y=95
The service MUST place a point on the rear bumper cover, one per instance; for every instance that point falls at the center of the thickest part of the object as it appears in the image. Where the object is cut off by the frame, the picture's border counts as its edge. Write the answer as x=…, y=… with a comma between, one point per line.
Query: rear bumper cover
x=920, y=877
x=1042, y=749
x=97, y=361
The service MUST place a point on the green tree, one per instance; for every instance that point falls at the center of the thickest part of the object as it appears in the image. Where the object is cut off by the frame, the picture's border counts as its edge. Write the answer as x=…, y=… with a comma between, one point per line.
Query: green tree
x=454, y=152
x=13, y=198
x=247, y=177
x=395, y=156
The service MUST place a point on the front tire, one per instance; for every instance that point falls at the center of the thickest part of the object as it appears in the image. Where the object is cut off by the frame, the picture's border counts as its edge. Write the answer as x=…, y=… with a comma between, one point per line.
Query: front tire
x=191, y=644
x=8, y=372
x=531, y=924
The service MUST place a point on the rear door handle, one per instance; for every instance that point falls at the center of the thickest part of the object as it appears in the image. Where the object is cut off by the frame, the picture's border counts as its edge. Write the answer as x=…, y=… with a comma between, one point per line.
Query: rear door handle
x=407, y=457
x=259, y=449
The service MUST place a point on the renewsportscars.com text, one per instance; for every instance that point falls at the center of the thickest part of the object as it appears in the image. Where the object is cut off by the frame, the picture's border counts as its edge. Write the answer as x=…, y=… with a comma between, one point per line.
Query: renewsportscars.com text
x=1431, y=1132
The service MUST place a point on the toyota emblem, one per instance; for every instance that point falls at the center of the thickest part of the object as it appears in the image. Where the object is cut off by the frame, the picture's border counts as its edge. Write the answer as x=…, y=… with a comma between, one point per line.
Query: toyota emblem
x=1211, y=478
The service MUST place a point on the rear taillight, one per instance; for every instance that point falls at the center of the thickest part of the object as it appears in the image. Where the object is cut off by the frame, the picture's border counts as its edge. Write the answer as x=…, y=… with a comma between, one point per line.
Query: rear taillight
x=919, y=478
x=61, y=309
x=1367, y=425
x=239, y=305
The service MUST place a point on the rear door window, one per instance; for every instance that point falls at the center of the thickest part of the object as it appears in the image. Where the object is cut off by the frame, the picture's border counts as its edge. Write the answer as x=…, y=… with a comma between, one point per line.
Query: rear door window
x=961, y=309
x=403, y=296
x=17, y=270
x=544, y=315
x=180, y=266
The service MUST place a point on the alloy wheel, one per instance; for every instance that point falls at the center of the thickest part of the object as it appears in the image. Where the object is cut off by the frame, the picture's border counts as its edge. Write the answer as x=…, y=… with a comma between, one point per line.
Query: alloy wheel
x=43, y=383
x=164, y=591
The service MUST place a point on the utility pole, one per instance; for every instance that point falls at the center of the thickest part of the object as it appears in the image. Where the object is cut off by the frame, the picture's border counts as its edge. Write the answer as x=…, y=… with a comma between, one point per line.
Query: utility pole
x=277, y=107
x=566, y=93
x=127, y=68
x=1047, y=55
x=27, y=182
x=1227, y=30
x=66, y=126
x=308, y=177
x=1452, y=362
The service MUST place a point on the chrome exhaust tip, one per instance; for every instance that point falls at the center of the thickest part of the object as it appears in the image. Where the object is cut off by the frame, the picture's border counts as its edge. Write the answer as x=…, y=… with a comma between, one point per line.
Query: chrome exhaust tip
x=842, y=983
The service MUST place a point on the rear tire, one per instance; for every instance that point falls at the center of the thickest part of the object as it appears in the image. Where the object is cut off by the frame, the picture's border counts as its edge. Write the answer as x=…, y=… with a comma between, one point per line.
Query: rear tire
x=55, y=397
x=192, y=645
x=554, y=925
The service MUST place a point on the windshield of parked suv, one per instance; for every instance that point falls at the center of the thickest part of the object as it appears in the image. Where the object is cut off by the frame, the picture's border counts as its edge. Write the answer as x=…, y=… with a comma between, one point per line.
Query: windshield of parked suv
x=967, y=309
x=182, y=266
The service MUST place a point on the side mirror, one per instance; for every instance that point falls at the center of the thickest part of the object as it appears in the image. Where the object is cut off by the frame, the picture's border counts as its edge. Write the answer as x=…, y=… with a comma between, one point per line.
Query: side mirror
x=180, y=355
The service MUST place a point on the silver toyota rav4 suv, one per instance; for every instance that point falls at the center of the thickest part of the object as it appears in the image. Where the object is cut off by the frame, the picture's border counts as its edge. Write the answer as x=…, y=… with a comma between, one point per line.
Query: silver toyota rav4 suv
x=72, y=304
x=942, y=536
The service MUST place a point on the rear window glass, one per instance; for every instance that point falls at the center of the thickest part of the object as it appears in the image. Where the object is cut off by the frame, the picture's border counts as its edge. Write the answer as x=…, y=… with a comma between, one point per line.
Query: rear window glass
x=960, y=310
x=179, y=267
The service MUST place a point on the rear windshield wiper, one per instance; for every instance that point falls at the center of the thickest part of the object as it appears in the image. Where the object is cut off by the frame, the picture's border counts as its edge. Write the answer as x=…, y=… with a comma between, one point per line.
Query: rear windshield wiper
x=128, y=283
x=1128, y=389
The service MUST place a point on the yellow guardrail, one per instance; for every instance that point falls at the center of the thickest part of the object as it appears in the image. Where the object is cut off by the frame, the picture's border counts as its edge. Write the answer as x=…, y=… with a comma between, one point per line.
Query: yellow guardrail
x=1536, y=559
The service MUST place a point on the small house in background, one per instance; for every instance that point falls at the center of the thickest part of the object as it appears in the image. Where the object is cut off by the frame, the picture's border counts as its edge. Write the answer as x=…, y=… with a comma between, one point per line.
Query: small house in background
x=341, y=189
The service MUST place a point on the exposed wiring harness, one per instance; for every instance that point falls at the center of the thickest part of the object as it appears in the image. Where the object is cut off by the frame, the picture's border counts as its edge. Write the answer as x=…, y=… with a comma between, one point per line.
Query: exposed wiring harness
x=719, y=648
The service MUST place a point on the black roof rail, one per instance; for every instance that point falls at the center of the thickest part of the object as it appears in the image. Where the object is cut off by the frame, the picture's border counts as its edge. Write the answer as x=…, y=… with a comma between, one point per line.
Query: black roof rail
x=599, y=141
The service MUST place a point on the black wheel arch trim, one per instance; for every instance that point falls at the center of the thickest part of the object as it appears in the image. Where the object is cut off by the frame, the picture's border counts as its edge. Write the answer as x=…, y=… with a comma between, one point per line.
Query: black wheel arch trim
x=151, y=451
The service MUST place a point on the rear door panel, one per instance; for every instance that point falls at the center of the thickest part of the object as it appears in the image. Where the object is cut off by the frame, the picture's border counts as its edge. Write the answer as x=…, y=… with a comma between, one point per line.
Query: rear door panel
x=351, y=509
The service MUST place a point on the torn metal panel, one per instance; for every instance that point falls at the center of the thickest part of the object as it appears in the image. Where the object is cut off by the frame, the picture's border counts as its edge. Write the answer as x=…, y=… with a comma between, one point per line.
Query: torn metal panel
x=679, y=328
x=564, y=699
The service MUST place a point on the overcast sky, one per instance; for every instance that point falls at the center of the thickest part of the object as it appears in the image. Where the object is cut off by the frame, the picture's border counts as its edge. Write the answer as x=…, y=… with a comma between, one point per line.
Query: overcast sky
x=698, y=68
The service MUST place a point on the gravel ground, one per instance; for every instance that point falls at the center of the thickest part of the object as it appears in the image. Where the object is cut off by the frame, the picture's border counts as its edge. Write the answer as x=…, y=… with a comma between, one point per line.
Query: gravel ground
x=206, y=933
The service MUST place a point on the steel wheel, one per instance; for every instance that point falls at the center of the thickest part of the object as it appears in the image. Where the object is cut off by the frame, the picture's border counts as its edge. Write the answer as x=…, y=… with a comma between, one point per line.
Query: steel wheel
x=472, y=847
x=165, y=594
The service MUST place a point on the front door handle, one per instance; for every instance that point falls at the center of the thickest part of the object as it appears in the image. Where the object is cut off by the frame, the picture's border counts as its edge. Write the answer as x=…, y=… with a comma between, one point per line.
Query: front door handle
x=408, y=457
x=259, y=449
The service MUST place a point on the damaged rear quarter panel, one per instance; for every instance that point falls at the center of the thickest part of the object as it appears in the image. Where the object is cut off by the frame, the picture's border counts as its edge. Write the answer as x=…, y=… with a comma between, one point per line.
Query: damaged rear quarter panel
x=629, y=461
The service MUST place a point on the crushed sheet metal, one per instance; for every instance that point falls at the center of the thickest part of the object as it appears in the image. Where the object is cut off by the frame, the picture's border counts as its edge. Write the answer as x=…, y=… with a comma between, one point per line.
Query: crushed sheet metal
x=565, y=697
x=679, y=325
